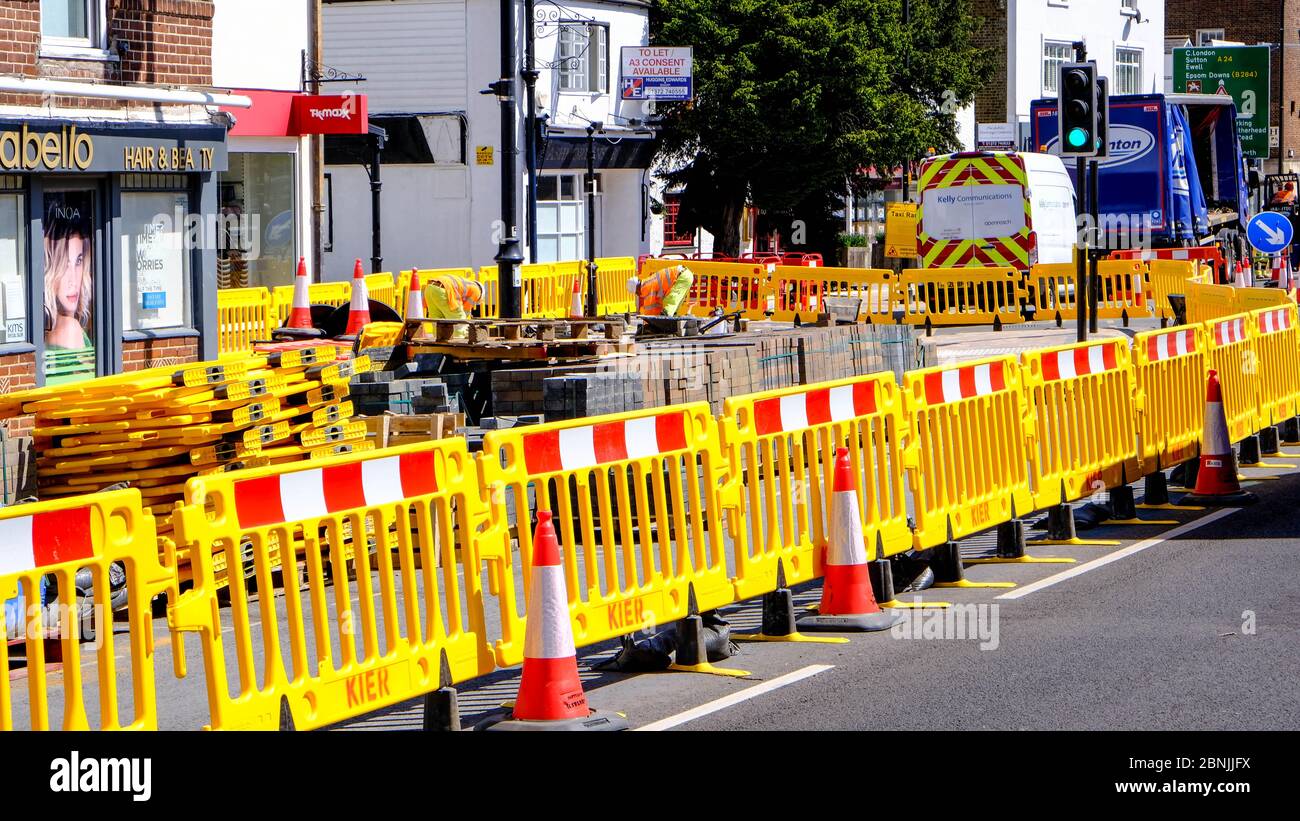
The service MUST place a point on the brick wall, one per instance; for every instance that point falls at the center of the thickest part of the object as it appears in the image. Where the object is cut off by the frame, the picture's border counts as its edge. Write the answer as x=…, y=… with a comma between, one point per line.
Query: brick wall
x=154, y=353
x=991, y=100
x=1259, y=21
x=169, y=43
x=17, y=373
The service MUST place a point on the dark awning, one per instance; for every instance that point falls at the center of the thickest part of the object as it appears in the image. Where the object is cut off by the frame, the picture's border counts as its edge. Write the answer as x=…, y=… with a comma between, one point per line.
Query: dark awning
x=631, y=151
x=406, y=142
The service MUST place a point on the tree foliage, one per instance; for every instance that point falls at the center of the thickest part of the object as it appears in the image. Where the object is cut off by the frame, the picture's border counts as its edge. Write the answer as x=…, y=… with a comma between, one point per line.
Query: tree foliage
x=794, y=97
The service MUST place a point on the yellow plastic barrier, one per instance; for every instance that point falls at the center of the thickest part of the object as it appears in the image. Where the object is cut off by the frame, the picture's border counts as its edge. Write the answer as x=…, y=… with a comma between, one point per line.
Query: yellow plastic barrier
x=961, y=296
x=875, y=287
x=42, y=546
x=1231, y=352
x=1276, y=343
x=730, y=286
x=395, y=528
x=380, y=334
x=1169, y=369
x=1253, y=299
x=967, y=456
x=1207, y=302
x=318, y=293
x=382, y=288
x=1169, y=276
x=1081, y=399
x=639, y=502
x=1052, y=291
x=782, y=445
x=612, y=296
x=1124, y=290
x=244, y=315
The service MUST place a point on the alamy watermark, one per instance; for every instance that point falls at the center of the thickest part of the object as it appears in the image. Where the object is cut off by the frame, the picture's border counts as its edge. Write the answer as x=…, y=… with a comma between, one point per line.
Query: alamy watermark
x=72, y=773
x=960, y=622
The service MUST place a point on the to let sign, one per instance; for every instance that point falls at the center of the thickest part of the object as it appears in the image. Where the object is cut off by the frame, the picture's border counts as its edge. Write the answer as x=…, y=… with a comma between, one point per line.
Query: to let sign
x=1240, y=71
x=657, y=73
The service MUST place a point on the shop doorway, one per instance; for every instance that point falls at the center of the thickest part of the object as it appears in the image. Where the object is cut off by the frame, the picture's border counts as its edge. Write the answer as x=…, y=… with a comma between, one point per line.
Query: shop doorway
x=71, y=307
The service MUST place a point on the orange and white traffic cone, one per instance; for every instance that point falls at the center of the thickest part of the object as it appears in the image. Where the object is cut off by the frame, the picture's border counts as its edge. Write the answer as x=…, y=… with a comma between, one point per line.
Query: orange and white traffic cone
x=1239, y=275
x=550, y=692
x=848, y=603
x=1216, y=477
x=415, y=301
x=359, y=310
x=575, y=303
x=300, y=315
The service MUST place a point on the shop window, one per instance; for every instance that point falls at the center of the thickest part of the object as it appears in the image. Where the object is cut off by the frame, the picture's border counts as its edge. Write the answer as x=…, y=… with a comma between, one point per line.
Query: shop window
x=155, y=260
x=13, y=260
x=257, y=244
x=584, y=58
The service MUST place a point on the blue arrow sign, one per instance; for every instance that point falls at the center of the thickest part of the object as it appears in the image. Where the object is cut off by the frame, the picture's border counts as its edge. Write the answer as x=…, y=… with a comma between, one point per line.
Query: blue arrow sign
x=1270, y=232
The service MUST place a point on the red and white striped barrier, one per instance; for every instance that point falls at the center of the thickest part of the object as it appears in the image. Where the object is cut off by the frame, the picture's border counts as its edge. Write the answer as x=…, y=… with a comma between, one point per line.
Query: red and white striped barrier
x=44, y=539
x=964, y=383
x=1171, y=345
x=590, y=445
x=796, y=411
x=1229, y=331
x=1273, y=321
x=311, y=494
x=1078, y=362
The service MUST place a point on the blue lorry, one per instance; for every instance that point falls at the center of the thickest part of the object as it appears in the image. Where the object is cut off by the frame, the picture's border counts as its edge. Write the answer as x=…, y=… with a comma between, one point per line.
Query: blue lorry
x=1175, y=167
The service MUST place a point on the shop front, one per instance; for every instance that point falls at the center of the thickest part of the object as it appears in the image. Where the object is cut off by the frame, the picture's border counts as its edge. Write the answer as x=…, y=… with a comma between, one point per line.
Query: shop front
x=109, y=233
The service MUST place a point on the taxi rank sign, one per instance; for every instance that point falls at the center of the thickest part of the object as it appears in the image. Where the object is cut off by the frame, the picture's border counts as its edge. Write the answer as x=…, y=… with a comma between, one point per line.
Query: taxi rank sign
x=657, y=73
x=1241, y=71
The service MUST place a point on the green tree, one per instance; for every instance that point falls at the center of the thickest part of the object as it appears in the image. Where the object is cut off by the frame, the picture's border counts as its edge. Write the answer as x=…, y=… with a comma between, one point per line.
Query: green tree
x=793, y=98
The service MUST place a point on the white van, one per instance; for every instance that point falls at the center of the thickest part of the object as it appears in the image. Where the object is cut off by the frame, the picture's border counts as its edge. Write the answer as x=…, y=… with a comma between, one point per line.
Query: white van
x=995, y=208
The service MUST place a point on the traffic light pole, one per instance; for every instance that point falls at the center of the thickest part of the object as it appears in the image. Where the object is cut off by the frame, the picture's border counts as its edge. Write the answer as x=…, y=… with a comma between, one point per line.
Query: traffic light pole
x=1081, y=290
x=1094, y=245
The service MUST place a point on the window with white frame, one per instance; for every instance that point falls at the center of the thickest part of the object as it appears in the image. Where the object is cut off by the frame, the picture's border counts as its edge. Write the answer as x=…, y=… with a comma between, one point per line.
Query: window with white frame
x=73, y=24
x=584, y=57
x=1128, y=7
x=1054, y=54
x=1205, y=37
x=561, y=218
x=1128, y=71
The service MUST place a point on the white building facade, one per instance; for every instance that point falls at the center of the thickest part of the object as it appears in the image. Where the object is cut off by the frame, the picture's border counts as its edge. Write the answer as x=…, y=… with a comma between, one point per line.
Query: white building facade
x=258, y=48
x=425, y=63
x=1124, y=37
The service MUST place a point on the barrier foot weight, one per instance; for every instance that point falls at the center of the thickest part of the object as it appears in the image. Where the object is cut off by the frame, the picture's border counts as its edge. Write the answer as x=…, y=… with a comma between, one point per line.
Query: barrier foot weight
x=1060, y=530
x=1011, y=548
x=1123, y=509
x=442, y=711
x=779, y=622
x=1270, y=443
x=1249, y=453
x=1157, y=495
x=691, y=654
x=882, y=588
x=1290, y=432
x=946, y=563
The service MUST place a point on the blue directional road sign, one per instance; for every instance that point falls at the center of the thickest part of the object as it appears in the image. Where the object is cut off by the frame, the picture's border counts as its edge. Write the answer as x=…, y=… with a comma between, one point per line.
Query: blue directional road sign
x=1270, y=232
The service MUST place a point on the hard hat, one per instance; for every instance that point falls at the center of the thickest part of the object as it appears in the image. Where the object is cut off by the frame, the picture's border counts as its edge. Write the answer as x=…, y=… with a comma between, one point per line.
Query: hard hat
x=633, y=285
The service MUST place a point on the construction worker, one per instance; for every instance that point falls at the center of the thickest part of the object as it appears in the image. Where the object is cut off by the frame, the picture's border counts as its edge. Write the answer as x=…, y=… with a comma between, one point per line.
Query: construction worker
x=1286, y=196
x=663, y=292
x=447, y=296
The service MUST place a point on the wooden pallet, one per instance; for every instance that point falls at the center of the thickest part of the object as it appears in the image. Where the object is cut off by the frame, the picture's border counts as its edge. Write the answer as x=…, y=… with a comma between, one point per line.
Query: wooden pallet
x=390, y=429
x=519, y=339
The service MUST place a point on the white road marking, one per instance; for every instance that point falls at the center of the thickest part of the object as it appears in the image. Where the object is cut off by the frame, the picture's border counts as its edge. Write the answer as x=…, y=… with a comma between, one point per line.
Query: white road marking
x=736, y=698
x=1079, y=570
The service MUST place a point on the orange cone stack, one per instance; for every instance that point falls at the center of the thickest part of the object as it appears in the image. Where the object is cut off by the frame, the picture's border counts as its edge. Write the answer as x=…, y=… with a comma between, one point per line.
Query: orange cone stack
x=847, y=601
x=575, y=304
x=300, y=316
x=359, y=311
x=550, y=692
x=1216, y=478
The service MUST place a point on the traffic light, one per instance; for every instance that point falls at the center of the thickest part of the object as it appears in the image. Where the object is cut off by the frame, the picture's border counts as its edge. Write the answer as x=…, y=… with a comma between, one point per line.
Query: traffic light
x=1077, y=109
x=1103, y=117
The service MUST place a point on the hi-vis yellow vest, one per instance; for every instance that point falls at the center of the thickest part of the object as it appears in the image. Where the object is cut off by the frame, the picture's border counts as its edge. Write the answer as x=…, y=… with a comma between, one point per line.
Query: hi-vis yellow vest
x=654, y=289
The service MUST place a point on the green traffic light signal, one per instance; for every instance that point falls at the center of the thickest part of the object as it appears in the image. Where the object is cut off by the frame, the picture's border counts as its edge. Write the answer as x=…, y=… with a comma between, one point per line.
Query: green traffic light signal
x=1078, y=137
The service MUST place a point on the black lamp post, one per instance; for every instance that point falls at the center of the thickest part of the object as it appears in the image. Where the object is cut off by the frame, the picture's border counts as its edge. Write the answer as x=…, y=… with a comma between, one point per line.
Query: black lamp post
x=508, y=254
x=592, y=128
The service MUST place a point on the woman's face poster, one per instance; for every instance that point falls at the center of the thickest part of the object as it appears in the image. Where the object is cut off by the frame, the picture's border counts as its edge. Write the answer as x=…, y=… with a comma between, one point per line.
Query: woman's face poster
x=69, y=284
